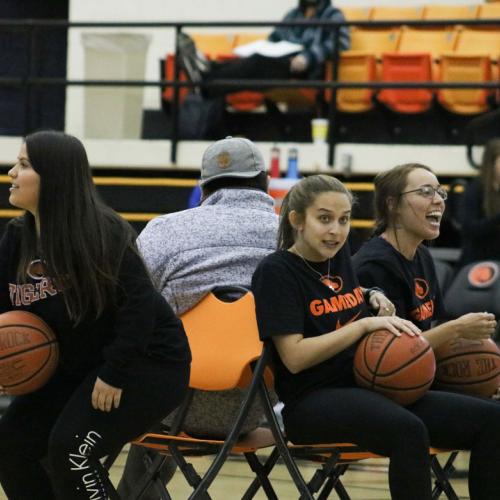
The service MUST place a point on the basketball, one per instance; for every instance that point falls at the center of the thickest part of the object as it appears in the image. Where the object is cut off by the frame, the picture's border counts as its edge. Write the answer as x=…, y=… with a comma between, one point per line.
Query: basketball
x=468, y=366
x=401, y=368
x=29, y=352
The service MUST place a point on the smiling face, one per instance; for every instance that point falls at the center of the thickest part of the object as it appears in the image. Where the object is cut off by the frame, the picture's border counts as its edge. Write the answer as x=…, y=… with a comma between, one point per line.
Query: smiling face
x=324, y=228
x=418, y=213
x=25, y=189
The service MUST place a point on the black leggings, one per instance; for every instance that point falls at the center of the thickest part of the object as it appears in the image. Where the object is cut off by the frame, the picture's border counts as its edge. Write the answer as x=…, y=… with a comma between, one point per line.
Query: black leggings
x=440, y=419
x=255, y=67
x=51, y=440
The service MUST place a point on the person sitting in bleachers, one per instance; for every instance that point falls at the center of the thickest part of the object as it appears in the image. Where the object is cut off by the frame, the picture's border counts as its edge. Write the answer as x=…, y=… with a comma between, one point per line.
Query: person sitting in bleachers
x=317, y=43
x=481, y=210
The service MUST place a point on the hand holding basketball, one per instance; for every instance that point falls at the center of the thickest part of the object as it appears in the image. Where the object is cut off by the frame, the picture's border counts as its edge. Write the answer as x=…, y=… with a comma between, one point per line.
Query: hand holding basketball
x=394, y=324
x=476, y=325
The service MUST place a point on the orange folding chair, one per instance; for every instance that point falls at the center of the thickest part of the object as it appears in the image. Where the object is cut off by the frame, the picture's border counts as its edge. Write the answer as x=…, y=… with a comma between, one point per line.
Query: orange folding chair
x=224, y=342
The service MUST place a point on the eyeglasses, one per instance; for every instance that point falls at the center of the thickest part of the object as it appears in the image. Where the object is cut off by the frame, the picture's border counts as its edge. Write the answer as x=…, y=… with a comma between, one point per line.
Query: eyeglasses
x=429, y=192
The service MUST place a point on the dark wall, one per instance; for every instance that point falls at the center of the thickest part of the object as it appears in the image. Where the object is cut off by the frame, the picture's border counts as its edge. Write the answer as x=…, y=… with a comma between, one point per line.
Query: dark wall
x=28, y=109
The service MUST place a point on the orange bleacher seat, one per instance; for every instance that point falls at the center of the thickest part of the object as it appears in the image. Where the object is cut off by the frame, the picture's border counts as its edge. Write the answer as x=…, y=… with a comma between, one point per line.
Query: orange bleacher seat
x=406, y=67
x=437, y=12
x=168, y=73
x=386, y=13
x=354, y=68
x=356, y=13
x=465, y=68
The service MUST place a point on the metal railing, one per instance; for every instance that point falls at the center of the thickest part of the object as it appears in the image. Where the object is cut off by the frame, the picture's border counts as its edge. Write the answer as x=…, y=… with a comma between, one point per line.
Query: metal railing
x=31, y=26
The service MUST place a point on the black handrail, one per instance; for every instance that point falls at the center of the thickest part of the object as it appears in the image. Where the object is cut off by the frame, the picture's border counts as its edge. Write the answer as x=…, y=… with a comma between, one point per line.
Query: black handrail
x=31, y=25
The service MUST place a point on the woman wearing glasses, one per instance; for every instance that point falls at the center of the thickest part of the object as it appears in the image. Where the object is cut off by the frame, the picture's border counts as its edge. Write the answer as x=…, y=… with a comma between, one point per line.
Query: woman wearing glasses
x=409, y=206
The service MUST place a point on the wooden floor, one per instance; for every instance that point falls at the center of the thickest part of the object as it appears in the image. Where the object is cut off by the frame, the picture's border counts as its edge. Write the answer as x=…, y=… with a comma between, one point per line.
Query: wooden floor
x=363, y=482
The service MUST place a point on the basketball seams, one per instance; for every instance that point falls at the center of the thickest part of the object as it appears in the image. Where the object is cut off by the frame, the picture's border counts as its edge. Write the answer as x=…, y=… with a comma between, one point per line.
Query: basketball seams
x=405, y=365
x=28, y=349
x=47, y=334
x=46, y=363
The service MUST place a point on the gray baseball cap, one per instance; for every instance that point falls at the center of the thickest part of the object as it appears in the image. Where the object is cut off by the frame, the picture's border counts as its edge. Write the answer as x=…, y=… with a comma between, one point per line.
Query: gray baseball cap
x=231, y=157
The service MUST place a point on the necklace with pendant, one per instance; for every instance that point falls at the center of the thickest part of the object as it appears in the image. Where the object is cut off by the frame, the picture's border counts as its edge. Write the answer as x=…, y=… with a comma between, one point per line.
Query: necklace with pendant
x=294, y=250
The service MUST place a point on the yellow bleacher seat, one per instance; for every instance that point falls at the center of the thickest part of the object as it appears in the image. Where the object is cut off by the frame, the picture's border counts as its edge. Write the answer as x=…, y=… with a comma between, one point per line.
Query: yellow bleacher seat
x=243, y=38
x=374, y=42
x=433, y=41
x=387, y=13
x=437, y=12
x=356, y=13
x=465, y=68
x=478, y=42
x=214, y=45
x=489, y=11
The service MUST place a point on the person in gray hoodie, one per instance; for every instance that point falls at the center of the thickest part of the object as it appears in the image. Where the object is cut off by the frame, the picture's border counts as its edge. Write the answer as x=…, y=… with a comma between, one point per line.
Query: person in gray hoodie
x=188, y=253
x=308, y=63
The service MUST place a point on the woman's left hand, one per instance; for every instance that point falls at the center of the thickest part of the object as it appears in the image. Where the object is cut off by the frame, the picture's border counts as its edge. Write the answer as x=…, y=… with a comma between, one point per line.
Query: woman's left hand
x=105, y=396
x=379, y=302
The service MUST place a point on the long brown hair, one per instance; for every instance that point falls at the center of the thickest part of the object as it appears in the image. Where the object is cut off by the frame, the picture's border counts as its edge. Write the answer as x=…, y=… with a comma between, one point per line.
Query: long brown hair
x=491, y=195
x=299, y=198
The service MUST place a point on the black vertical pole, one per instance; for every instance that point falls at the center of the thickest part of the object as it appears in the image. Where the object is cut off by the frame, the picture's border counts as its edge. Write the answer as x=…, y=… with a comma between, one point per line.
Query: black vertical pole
x=332, y=108
x=175, y=102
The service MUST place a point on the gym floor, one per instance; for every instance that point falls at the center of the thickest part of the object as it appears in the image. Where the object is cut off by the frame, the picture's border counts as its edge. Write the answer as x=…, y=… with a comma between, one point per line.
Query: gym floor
x=364, y=481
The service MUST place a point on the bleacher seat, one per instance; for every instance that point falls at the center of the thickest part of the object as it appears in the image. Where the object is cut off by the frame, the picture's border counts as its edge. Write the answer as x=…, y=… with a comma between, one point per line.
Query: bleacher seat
x=438, y=12
x=412, y=67
x=489, y=11
x=214, y=45
x=354, y=68
x=356, y=13
x=465, y=68
x=389, y=13
x=433, y=41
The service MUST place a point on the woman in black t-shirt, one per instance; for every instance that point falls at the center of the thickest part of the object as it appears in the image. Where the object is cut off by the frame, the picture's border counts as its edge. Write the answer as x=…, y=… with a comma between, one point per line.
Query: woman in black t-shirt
x=409, y=204
x=124, y=357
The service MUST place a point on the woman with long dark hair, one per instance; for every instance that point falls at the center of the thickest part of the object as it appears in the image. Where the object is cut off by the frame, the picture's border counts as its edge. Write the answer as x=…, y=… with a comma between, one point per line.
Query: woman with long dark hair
x=124, y=357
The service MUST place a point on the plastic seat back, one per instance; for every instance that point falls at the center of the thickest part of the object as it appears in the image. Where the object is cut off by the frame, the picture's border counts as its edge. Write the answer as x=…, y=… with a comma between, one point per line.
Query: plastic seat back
x=489, y=11
x=389, y=13
x=455, y=12
x=406, y=67
x=356, y=13
x=214, y=45
x=478, y=42
x=433, y=41
x=354, y=68
x=374, y=42
x=465, y=68
x=223, y=335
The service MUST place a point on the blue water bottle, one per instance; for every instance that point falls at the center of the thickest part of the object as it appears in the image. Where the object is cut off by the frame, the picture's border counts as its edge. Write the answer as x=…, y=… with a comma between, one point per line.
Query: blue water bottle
x=293, y=164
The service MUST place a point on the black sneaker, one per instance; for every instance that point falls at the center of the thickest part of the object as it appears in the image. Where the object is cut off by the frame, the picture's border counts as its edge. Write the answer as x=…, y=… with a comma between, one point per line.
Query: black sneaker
x=191, y=61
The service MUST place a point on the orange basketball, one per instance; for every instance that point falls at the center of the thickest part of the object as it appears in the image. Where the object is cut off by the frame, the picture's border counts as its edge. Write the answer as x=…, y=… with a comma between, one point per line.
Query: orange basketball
x=468, y=366
x=401, y=368
x=29, y=352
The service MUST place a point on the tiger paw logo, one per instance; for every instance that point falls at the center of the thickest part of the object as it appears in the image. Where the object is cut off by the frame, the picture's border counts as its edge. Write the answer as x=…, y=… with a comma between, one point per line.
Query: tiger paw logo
x=421, y=288
x=334, y=283
x=483, y=274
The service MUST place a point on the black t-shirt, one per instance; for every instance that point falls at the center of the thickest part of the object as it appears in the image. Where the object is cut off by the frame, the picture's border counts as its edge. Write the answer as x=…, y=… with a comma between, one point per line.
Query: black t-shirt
x=410, y=284
x=141, y=326
x=290, y=298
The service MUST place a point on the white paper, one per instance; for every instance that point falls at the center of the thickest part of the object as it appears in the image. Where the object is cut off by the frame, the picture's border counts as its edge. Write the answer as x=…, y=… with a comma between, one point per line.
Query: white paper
x=267, y=48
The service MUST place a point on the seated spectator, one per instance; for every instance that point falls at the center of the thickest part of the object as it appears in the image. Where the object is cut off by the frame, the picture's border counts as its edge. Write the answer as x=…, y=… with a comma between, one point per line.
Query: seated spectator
x=409, y=205
x=317, y=42
x=189, y=253
x=481, y=210
x=296, y=289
